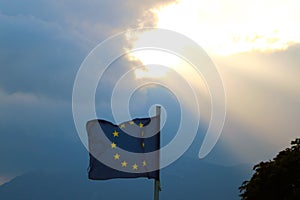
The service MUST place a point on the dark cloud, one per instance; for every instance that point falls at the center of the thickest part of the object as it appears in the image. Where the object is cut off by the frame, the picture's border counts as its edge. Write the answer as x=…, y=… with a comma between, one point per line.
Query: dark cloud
x=42, y=44
x=100, y=17
x=36, y=58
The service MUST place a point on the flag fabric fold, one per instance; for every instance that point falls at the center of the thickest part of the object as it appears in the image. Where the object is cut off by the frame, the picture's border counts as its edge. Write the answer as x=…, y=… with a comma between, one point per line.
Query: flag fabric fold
x=127, y=150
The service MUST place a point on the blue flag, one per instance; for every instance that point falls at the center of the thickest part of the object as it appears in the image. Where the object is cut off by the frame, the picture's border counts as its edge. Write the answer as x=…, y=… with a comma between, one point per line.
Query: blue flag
x=127, y=150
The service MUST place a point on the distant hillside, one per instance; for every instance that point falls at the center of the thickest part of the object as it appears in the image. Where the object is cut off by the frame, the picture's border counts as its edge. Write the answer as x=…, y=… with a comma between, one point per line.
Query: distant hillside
x=185, y=179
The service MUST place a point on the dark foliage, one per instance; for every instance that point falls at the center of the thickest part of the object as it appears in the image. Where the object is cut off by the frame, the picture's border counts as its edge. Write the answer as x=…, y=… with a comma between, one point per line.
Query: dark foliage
x=276, y=179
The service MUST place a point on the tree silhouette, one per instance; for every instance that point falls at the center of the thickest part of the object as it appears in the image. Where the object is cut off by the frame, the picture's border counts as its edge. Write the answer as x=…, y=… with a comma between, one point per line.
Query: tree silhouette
x=275, y=179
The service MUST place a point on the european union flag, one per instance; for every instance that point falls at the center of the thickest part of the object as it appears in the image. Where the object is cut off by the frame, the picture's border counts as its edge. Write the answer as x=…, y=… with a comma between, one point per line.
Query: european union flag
x=127, y=150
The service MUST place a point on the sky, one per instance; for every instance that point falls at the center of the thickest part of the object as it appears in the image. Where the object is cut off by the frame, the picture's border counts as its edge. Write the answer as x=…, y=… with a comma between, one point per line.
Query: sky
x=254, y=45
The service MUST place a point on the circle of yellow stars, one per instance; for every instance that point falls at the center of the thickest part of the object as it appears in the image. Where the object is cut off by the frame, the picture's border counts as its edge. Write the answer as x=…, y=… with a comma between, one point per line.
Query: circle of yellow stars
x=117, y=156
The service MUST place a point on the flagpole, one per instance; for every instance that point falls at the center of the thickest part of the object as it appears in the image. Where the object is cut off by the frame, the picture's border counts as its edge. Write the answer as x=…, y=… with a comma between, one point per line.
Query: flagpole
x=157, y=182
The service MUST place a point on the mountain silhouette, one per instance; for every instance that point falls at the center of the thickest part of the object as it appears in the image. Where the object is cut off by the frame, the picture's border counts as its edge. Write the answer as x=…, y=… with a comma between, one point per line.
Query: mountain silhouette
x=185, y=179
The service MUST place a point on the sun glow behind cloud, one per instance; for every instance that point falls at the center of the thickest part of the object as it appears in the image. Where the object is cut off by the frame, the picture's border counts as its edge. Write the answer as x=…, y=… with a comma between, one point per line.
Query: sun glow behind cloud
x=152, y=58
x=232, y=26
x=244, y=38
x=224, y=28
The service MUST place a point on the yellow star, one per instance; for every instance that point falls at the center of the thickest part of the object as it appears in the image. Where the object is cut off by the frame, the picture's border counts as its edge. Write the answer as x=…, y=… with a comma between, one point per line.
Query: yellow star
x=143, y=144
x=113, y=145
x=122, y=126
x=131, y=122
x=124, y=163
x=144, y=163
x=141, y=125
x=143, y=133
x=116, y=134
x=135, y=167
x=117, y=156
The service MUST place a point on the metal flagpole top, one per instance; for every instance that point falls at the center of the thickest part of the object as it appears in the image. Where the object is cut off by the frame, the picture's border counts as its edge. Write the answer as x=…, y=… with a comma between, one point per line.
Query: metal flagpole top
x=157, y=182
x=158, y=111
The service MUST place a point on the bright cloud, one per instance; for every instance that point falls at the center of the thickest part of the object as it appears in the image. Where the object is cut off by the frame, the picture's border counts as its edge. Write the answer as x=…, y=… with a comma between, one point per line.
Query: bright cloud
x=5, y=179
x=256, y=47
x=232, y=26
